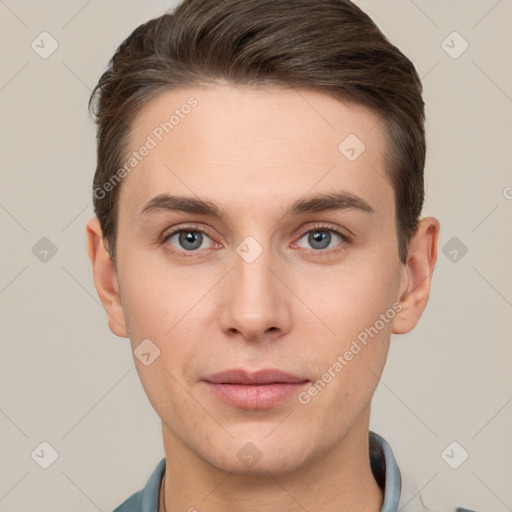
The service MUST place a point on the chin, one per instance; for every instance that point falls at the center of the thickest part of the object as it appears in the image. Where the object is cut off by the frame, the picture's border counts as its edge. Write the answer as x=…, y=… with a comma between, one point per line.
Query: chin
x=259, y=458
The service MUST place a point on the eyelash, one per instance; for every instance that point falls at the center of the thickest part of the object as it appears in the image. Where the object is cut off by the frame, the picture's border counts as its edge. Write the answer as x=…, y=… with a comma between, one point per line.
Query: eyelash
x=317, y=227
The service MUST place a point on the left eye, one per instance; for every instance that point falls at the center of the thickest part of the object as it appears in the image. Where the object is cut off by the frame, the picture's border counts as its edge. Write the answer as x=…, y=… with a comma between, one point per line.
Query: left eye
x=189, y=240
x=320, y=239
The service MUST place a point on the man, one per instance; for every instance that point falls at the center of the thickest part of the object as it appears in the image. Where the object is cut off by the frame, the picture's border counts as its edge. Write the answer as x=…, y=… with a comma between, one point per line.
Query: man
x=258, y=238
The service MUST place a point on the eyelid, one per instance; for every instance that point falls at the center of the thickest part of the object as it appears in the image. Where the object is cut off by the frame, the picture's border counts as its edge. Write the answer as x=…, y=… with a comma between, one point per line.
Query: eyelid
x=183, y=227
x=326, y=227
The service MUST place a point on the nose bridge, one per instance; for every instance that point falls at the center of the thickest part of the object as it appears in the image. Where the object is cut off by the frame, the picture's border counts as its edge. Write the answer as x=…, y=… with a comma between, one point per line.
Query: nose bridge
x=255, y=300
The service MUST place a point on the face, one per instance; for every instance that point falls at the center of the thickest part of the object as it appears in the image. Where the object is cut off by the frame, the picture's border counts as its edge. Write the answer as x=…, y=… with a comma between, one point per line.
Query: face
x=281, y=256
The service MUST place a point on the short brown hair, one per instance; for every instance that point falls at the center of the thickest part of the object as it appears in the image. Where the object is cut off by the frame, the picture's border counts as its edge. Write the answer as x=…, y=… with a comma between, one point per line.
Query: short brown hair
x=330, y=46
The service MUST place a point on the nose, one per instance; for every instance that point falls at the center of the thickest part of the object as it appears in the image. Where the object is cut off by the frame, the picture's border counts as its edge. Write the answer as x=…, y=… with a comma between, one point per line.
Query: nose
x=256, y=302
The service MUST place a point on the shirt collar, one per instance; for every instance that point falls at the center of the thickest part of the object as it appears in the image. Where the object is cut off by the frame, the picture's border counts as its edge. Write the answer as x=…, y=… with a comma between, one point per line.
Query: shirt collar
x=393, y=479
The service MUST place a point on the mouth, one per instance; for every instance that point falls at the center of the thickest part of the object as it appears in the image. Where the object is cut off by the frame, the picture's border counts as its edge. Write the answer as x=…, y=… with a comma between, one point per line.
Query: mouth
x=262, y=389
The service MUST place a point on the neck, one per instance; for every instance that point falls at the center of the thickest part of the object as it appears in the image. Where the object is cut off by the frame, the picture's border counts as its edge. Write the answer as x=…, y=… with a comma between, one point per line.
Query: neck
x=340, y=479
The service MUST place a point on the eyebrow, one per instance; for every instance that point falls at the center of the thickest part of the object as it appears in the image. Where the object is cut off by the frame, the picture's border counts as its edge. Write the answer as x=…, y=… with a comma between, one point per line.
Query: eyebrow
x=310, y=204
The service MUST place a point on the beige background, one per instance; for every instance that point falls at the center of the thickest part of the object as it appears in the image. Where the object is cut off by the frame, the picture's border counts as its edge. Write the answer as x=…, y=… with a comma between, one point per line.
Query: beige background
x=66, y=380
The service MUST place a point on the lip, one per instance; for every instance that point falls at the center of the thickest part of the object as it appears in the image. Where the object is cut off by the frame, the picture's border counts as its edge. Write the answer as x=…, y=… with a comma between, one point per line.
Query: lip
x=266, y=376
x=261, y=389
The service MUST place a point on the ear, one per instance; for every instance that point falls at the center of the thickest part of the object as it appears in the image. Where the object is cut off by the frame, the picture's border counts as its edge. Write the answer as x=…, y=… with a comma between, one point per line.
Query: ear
x=417, y=275
x=105, y=278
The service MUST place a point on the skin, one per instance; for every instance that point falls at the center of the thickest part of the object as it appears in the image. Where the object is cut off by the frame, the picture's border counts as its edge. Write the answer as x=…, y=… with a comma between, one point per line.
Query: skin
x=254, y=151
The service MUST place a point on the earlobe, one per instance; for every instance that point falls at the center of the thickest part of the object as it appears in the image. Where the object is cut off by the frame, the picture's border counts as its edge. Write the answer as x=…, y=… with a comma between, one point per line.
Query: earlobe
x=418, y=271
x=105, y=278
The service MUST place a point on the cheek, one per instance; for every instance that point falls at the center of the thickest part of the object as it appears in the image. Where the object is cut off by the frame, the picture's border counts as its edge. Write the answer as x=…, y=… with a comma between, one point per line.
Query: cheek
x=154, y=300
x=357, y=306
x=169, y=309
x=350, y=299
x=348, y=373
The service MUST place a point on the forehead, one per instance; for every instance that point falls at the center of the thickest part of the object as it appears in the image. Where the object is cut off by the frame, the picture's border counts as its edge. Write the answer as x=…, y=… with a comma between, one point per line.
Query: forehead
x=255, y=143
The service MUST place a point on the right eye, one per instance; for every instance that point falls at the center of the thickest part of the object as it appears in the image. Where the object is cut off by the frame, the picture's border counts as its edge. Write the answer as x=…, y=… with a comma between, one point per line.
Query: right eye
x=188, y=240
